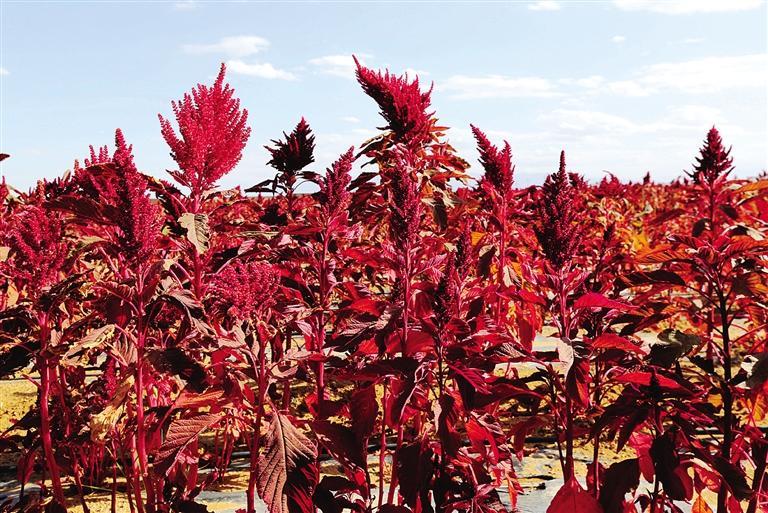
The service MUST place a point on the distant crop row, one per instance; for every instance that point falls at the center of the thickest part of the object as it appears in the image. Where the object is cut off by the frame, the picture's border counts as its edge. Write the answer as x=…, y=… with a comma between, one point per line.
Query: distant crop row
x=391, y=321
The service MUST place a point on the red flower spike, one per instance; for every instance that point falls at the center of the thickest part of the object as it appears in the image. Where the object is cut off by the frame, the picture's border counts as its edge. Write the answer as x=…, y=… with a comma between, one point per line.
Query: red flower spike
x=405, y=200
x=556, y=228
x=35, y=237
x=714, y=160
x=499, y=170
x=243, y=289
x=401, y=103
x=334, y=196
x=294, y=154
x=212, y=134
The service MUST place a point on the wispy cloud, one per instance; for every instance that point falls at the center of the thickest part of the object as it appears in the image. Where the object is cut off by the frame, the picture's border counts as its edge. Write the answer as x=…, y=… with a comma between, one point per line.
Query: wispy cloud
x=687, y=6
x=618, y=39
x=260, y=70
x=185, y=5
x=706, y=75
x=340, y=65
x=463, y=87
x=232, y=46
x=699, y=76
x=692, y=40
x=544, y=5
x=4, y=72
x=683, y=119
x=350, y=119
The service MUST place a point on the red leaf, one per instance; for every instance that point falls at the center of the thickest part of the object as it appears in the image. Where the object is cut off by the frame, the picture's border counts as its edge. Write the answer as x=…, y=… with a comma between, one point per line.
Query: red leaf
x=285, y=472
x=595, y=300
x=646, y=378
x=363, y=409
x=180, y=434
x=367, y=305
x=341, y=442
x=612, y=341
x=572, y=498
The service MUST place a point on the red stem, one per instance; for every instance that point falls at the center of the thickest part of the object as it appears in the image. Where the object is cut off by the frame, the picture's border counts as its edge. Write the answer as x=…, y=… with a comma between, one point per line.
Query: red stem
x=43, y=366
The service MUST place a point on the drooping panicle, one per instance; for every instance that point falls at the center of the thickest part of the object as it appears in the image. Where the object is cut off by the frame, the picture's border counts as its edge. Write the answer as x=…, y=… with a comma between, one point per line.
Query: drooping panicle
x=497, y=164
x=37, y=249
x=401, y=102
x=334, y=196
x=713, y=161
x=212, y=134
x=245, y=289
x=555, y=226
x=293, y=154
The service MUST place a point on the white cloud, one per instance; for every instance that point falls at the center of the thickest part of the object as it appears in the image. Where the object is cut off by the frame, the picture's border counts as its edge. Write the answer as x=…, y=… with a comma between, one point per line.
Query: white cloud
x=261, y=70
x=185, y=5
x=413, y=73
x=462, y=87
x=338, y=65
x=687, y=6
x=544, y=5
x=590, y=82
x=4, y=72
x=692, y=119
x=587, y=121
x=351, y=119
x=707, y=75
x=232, y=46
x=627, y=88
x=618, y=39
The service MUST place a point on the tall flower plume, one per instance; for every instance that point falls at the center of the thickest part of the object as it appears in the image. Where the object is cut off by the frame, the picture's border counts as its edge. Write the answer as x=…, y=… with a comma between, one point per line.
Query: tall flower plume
x=293, y=154
x=116, y=182
x=35, y=237
x=556, y=227
x=713, y=161
x=401, y=103
x=499, y=170
x=213, y=133
x=334, y=197
x=245, y=289
x=140, y=222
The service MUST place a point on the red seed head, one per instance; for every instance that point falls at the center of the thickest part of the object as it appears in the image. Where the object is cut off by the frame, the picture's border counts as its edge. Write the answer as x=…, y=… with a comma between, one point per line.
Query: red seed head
x=212, y=134
x=245, y=289
x=713, y=161
x=556, y=223
x=35, y=237
x=334, y=196
x=405, y=199
x=401, y=104
x=117, y=182
x=499, y=170
x=293, y=154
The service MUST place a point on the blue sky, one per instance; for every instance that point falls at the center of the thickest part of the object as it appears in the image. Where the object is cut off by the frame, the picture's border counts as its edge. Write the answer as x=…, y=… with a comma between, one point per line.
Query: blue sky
x=627, y=86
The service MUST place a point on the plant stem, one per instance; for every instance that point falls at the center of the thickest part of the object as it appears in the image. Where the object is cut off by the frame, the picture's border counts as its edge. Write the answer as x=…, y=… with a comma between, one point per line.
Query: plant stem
x=43, y=366
x=722, y=496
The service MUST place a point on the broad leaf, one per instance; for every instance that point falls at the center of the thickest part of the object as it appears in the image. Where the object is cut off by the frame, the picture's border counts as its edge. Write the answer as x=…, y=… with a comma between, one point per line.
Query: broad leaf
x=285, y=474
x=572, y=498
x=181, y=433
x=198, y=231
